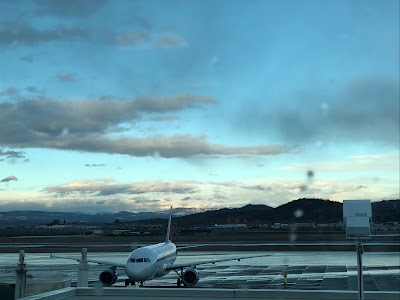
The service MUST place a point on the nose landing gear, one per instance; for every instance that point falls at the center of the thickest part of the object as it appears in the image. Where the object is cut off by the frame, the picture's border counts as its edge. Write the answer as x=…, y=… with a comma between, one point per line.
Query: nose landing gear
x=128, y=282
x=132, y=282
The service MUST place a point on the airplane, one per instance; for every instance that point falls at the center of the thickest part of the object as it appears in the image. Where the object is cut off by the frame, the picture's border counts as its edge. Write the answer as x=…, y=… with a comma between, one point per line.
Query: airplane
x=155, y=261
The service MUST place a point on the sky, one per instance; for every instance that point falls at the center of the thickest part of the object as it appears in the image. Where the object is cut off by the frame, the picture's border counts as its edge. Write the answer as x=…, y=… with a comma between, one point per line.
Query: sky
x=139, y=105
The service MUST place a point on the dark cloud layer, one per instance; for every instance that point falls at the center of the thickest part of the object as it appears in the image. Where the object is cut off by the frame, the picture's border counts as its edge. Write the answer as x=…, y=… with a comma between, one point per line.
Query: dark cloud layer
x=183, y=146
x=20, y=32
x=44, y=116
x=87, y=126
x=364, y=110
x=70, y=8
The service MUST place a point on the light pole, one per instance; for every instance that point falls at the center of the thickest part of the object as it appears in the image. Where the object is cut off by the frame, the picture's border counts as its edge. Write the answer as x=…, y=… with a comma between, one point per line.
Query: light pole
x=360, y=251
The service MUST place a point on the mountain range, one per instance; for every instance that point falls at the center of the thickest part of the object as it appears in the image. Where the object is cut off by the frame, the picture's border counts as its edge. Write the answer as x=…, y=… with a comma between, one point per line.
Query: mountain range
x=297, y=211
x=28, y=218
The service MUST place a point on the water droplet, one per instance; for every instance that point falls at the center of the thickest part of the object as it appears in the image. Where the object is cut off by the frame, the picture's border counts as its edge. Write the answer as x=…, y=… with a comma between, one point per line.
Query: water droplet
x=292, y=237
x=298, y=213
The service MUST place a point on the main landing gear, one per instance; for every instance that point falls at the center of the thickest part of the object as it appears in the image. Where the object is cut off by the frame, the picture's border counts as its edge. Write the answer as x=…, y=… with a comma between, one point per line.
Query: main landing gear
x=179, y=281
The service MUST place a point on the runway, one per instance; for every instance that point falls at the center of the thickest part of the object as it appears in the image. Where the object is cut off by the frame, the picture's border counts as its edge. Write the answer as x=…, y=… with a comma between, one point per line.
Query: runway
x=306, y=270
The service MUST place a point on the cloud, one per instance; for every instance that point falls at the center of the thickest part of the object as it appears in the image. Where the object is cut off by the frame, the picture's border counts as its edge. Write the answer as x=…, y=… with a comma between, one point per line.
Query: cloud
x=144, y=39
x=366, y=110
x=72, y=8
x=67, y=77
x=51, y=117
x=19, y=31
x=11, y=155
x=171, y=41
x=27, y=58
x=258, y=187
x=24, y=33
x=87, y=205
x=387, y=162
x=88, y=126
x=20, y=94
x=9, y=178
x=9, y=92
x=165, y=118
x=34, y=90
x=183, y=146
x=126, y=39
x=143, y=200
x=106, y=187
x=94, y=165
x=88, y=195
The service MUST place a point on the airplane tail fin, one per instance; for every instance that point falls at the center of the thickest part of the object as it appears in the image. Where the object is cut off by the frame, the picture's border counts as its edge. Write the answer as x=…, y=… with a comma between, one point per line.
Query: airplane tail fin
x=169, y=229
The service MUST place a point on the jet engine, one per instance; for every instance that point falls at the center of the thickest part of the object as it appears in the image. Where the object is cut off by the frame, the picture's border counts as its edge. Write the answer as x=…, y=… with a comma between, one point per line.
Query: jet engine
x=108, y=277
x=190, y=276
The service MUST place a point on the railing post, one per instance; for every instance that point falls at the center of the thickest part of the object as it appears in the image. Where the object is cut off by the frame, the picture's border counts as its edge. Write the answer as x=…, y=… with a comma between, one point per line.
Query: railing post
x=20, y=270
x=83, y=272
x=360, y=251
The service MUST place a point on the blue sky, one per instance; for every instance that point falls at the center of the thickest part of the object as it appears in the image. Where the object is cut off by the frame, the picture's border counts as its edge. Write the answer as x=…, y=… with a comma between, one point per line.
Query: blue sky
x=139, y=105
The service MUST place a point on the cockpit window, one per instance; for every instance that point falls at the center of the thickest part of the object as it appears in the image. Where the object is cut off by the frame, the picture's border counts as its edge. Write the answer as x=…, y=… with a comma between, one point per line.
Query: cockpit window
x=139, y=260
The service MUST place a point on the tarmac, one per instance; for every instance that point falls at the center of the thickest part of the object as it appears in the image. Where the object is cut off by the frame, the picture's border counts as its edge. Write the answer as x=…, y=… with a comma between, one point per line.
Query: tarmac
x=315, y=277
x=306, y=271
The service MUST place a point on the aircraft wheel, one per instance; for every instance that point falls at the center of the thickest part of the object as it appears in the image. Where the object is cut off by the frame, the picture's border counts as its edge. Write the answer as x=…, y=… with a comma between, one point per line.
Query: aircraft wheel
x=127, y=282
x=178, y=282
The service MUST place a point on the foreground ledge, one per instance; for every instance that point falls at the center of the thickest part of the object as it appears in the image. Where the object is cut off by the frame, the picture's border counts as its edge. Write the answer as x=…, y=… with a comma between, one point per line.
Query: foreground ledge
x=200, y=294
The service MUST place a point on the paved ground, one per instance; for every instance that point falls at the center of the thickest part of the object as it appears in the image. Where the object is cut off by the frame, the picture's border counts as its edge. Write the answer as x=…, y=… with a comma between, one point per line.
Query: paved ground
x=322, y=277
x=305, y=270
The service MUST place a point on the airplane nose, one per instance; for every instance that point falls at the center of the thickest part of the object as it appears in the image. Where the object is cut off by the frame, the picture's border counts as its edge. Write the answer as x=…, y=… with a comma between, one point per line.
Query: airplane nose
x=130, y=270
x=136, y=273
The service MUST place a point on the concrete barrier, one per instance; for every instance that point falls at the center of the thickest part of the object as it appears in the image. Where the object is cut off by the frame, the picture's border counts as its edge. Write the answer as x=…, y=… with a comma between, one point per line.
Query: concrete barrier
x=205, y=294
x=24, y=284
x=50, y=282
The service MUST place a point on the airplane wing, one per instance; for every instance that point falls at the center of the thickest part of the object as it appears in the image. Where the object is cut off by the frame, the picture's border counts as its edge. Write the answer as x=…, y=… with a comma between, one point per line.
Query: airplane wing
x=135, y=246
x=191, y=246
x=100, y=262
x=194, y=264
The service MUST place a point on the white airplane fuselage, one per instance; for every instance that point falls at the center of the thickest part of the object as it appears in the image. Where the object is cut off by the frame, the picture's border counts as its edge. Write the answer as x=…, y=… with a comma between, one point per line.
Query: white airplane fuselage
x=148, y=262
